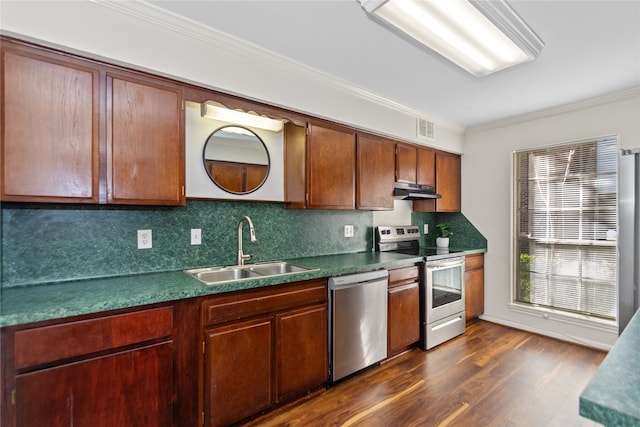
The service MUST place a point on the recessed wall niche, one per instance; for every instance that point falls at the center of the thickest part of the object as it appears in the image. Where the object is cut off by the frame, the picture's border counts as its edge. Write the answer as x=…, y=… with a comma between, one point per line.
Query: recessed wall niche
x=199, y=185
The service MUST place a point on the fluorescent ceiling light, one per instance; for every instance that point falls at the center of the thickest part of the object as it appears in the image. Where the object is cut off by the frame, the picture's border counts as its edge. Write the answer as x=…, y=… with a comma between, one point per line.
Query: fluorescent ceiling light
x=215, y=110
x=481, y=37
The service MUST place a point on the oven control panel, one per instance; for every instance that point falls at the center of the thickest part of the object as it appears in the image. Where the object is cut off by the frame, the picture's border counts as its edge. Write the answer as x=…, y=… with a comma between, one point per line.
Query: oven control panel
x=395, y=233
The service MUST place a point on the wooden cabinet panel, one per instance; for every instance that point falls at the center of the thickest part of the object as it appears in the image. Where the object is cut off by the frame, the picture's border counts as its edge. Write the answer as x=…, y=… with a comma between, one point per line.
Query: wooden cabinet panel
x=406, y=161
x=52, y=343
x=448, y=181
x=403, y=320
x=474, y=286
x=331, y=160
x=238, y=371
x=131, y=388
x=375, y=172
x=269, y=345
x=426, y=167
x=404, y=317
x=239, y=305
x=145, y=151
x=255, y=176
x=50, y=141
x=301, y=348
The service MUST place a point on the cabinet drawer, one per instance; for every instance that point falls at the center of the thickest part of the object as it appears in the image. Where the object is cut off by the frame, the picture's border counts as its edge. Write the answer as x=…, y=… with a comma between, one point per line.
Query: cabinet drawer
x=473, y=262
x=50, y=343
x=263, y=300
x=404, y=274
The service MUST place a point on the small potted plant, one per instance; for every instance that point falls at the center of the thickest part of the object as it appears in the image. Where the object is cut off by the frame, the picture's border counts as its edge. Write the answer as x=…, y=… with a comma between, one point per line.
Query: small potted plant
x=442, y=239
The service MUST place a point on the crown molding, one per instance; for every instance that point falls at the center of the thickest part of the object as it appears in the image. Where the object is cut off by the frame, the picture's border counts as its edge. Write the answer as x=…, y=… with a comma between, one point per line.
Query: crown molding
x=633, y=92
x=236, y=46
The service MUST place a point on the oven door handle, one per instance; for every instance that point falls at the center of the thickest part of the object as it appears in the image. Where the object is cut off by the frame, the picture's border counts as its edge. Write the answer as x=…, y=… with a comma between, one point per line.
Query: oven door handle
x=451, y=262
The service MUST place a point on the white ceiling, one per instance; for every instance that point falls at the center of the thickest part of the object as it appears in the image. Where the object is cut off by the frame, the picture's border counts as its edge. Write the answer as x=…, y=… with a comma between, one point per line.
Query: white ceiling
x=592, y=48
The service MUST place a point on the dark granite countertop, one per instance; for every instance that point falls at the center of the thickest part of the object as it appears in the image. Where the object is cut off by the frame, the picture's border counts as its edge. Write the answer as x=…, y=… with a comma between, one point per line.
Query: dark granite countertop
x=612, y=397
x=25, y=304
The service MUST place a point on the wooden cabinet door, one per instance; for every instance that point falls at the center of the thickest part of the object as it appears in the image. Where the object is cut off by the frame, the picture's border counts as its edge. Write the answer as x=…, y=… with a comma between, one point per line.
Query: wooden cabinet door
x=131, y=388
x=474, y=286
x=145, y=142
x=448, y=182
x=426, y=169
x=301, y=348
x=50, y=130
x=331, y=159
x=375, y=173
x=406, y=161
x=403, y=317
x=238, y=371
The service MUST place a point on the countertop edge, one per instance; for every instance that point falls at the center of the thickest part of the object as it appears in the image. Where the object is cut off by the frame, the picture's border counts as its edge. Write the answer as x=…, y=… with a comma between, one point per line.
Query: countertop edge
x=90, y=296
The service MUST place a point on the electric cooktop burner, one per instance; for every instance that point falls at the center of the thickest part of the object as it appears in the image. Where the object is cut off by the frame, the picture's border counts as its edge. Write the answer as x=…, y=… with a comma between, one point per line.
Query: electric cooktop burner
x=405, y=239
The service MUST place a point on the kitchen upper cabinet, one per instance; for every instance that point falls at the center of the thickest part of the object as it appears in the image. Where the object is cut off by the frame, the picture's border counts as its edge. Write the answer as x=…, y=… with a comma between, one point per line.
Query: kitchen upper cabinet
x=50, y=135
x=103, y=371
x=447, y=183
x=145, y=142
x=79, y=131
x=320, y=164
x=406, y=161
x=415, y=165
x=474, y=286
x=263, y=347
x=375, y=172
x=403, y=309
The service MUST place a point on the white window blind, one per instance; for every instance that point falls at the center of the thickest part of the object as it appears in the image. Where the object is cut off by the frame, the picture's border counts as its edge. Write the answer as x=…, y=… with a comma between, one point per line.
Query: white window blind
x=565, y=202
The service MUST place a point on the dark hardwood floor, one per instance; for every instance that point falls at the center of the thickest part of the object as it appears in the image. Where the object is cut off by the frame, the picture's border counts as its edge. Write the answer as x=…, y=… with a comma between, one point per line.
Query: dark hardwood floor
x=490, y=376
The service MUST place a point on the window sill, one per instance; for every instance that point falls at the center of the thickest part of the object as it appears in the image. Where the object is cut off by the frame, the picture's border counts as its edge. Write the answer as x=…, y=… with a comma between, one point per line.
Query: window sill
x=609, y=326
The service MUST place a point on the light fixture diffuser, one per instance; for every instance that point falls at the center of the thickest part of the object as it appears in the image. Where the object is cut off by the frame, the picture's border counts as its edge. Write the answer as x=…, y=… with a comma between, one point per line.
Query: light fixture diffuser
x=481, y=37
x=217, y=111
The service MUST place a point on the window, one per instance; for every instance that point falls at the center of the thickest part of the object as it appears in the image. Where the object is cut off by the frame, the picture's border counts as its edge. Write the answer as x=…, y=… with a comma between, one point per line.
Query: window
x=565, y=202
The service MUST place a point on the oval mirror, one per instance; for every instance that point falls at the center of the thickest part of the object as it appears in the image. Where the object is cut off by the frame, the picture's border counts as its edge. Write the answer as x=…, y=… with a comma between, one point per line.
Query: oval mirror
x=236, y=159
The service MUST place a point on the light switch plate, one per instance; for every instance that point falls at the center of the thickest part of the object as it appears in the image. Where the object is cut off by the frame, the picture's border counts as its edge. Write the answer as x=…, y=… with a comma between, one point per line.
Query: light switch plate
x=144, y=239
x=196, y=236
x=425, y=229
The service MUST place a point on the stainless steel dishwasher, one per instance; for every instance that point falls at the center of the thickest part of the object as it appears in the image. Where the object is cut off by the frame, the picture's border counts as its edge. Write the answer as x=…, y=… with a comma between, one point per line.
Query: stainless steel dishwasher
x=358, y=338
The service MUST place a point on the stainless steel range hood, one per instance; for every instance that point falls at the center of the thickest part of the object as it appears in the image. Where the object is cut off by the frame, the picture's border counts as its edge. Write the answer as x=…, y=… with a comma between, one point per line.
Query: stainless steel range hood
x=406, y=191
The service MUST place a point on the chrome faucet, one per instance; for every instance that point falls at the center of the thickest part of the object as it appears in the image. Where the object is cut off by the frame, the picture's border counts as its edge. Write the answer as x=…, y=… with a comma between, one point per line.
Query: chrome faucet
x=241, y=256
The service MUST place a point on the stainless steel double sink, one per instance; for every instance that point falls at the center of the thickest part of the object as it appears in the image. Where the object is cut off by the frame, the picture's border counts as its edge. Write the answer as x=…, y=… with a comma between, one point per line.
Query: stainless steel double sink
x=219, y=275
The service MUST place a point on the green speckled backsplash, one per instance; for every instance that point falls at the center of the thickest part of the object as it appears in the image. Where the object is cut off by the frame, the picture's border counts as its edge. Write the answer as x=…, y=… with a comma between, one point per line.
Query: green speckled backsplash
x=48, y=243
x=464, y=233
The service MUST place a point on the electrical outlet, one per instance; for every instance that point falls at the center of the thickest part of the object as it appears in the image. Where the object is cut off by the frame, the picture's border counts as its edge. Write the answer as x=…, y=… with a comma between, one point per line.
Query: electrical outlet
x=348, y=231
x=196, y=236
x=144, y=239
x=425, y=229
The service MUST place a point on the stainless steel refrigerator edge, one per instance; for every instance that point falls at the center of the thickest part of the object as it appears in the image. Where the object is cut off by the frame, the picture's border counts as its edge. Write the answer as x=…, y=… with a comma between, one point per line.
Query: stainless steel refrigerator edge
x=628, y=235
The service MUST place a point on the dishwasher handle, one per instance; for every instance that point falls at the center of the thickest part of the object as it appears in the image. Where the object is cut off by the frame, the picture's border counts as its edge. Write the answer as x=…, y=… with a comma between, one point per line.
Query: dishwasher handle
x=350, y=280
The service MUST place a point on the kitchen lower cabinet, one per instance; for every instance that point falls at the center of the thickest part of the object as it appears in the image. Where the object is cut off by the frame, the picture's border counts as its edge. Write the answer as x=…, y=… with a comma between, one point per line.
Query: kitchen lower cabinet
x=130, y=388
x=403, y=320
x=474, y=286
x=106, y=371
x=262, y=347
x=301, y=349
x=238, y=371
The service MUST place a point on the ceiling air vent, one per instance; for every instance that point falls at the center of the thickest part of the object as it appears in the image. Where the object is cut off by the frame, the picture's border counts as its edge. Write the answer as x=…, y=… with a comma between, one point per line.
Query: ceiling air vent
x=425, y=130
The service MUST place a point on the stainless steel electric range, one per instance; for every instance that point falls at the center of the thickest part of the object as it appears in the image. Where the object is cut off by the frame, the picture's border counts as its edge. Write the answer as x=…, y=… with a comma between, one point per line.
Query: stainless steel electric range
x=442, y=288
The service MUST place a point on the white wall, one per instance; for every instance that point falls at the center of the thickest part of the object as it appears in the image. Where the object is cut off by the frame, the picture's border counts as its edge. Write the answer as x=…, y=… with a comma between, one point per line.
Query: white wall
x=486, y=196
x=139, y=35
